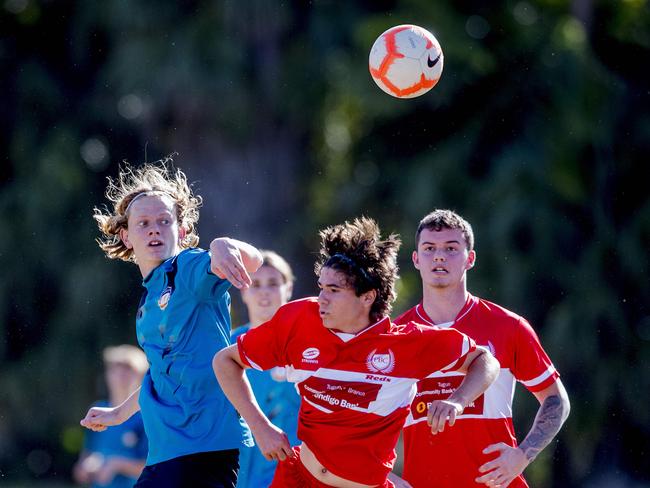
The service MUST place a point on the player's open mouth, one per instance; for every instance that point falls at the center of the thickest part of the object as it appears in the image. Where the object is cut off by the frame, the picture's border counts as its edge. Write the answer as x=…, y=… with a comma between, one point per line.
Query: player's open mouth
x=440, y=270
x=155, y=243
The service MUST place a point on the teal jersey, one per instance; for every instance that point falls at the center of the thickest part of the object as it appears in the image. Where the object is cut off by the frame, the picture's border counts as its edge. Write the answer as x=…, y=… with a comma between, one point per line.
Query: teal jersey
x=182, y=321
x=126, y=440
x=280, y=402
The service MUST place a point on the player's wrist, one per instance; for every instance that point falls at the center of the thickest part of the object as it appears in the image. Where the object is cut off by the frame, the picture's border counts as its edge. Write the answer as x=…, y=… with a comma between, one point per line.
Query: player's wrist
x=121, y=414
x=527, y=455
x=460, y=401
x=259, y=425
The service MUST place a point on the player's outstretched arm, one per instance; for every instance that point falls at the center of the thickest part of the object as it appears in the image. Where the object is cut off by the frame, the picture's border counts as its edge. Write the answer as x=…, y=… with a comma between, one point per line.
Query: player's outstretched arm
x=553, y=411
x=99, y=418
x=481, y=369
x=234, y=260
x=229, y=370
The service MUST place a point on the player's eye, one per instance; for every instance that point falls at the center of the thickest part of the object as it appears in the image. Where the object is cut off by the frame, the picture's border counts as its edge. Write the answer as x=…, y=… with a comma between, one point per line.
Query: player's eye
x=164, y=221
x=142, y=223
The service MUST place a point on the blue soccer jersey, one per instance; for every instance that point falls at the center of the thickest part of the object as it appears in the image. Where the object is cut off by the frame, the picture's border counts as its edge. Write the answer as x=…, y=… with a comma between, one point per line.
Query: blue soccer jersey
x=126, y=440
x=280, y=402
x=182, y=321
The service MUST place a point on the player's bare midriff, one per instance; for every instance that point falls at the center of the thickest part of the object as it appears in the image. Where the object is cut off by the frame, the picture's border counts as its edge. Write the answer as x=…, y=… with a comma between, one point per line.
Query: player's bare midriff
x=322, y=474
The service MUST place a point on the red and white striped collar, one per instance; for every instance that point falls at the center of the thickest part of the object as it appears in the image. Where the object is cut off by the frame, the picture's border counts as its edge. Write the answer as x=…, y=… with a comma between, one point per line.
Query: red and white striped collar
x=379, y=327
x=469, y=304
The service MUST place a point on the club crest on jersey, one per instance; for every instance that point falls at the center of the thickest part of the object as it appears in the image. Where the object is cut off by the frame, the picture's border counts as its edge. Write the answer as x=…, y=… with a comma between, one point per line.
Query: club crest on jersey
x=310, y=354
x=163, y=300
x=381, y=362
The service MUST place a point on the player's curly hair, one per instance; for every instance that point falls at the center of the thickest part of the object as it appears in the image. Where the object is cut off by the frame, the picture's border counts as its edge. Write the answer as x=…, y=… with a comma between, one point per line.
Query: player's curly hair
x=158, y=178
x=357, y=250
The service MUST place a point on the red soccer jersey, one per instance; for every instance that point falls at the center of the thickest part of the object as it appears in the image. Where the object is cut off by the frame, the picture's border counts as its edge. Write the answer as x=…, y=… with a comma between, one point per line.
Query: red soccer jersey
x=355, y=393
x=451, y=459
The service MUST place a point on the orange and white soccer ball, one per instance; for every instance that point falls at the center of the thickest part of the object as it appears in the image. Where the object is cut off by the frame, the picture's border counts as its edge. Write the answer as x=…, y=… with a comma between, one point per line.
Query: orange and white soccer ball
x=406, y=61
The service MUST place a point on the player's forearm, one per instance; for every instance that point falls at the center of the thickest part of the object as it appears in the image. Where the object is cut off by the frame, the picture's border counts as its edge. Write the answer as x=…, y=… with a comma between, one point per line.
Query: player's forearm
x=552, y=413
x=481, y=373
x=129, y=406
x=235, y=385
x=250, y=255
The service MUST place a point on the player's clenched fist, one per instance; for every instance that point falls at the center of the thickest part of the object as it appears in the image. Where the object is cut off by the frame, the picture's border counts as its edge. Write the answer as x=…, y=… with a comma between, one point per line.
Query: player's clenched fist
x=226, y=262
x=98, y=418
x=273, y=443
x=441, y=412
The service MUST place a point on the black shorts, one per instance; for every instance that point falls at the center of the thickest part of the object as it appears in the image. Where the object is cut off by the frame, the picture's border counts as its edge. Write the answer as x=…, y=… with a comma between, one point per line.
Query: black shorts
x=214, y=469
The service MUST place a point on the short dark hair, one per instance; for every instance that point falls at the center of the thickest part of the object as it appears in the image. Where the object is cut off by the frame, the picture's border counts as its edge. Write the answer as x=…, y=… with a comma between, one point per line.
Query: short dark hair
x=370, y=263
x=446, y=219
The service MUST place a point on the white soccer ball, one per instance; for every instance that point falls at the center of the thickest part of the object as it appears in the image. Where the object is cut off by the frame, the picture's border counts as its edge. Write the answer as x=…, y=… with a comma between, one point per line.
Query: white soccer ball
x=406, y=61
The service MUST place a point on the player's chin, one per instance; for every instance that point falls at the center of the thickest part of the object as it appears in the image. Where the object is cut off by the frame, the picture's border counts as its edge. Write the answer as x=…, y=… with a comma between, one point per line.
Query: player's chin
x=327, y=321
x=439, y=282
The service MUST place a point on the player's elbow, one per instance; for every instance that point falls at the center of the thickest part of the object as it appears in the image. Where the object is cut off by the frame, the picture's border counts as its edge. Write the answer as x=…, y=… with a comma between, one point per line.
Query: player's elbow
x=490, y=364
x=565, y=403
x=252, y=258
x=219, y=360
x=226, y=362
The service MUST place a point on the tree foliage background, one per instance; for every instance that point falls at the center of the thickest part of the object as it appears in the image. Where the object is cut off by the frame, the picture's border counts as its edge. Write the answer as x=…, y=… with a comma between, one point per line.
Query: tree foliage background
x=538, y=133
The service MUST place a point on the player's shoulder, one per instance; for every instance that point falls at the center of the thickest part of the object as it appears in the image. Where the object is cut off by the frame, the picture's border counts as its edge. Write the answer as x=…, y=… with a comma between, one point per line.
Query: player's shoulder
x=413, y=328
x=301, y=307
x=190, y=255
x=409, y=316
x=498, y=315
x=187, y=262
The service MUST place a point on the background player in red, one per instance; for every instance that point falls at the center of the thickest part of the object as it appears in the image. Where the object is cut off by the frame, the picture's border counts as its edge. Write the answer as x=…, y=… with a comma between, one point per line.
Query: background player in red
x=482, y=447
x=355, y=370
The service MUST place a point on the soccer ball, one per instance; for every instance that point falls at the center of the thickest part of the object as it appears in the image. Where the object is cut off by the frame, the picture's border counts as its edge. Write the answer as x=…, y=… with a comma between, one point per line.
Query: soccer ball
x=406, y=61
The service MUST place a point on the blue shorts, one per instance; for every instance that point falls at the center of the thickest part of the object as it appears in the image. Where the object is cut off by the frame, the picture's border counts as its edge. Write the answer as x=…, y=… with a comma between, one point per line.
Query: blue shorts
x=215, y=469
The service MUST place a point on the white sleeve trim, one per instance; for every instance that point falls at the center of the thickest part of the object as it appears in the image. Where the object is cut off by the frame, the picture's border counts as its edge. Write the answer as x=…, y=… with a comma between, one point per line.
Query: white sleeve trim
x=252, y=363
x=539, y=379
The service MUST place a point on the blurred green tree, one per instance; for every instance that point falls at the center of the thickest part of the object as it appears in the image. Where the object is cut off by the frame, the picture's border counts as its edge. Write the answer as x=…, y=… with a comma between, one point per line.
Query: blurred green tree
x=537, y=132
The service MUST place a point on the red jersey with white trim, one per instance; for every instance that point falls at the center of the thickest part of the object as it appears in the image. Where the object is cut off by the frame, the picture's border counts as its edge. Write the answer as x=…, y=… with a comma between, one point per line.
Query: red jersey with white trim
x=356, y=393
x=452, y=458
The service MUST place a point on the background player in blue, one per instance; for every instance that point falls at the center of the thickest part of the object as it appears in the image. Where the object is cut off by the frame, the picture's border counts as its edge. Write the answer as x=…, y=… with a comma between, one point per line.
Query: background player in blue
x=182, y=321
x=272, y=285
x=115, y=458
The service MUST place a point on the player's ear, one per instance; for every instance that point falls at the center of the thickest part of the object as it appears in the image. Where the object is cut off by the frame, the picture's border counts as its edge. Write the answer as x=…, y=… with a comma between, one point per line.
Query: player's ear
x=182, y=232
x=471, y=259
x=289, y=290
x=369, y=297
x=124, y=236
x=414, y=258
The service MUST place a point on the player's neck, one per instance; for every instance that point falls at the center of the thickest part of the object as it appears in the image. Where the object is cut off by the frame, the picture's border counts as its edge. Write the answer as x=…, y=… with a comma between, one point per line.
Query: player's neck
x=443, y=305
